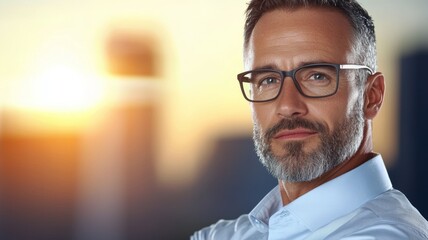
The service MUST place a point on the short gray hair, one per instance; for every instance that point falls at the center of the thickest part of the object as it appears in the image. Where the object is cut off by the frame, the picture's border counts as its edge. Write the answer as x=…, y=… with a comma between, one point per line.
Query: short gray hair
x=364, y=41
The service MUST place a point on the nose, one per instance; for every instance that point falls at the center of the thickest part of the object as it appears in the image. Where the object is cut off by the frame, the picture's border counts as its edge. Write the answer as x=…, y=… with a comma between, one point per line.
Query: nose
x=290, y=103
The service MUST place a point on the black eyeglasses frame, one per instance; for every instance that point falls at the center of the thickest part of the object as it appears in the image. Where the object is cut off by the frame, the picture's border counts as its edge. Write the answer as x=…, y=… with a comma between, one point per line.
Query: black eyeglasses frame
x=292, y=73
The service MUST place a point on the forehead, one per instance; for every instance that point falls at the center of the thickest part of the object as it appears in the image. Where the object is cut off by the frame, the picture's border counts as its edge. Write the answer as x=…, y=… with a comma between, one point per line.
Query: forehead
x=289, y=38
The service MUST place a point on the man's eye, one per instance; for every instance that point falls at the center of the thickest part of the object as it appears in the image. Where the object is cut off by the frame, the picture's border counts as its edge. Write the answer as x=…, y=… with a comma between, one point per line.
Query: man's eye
x=268, y=81
x=318, y=77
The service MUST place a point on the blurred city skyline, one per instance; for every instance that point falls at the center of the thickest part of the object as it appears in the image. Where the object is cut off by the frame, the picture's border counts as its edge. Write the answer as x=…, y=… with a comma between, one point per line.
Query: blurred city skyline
x=54, y=61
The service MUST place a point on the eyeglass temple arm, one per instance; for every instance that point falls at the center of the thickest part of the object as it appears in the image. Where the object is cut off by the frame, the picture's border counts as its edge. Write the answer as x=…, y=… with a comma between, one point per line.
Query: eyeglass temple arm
x=356, y=66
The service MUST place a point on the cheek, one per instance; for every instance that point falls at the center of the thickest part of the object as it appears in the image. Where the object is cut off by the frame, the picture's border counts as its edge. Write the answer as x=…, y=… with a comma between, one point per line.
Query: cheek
x=262, y=115
x=255, y=115
x=334, y=111
x=349, y=96
x=352, y=101
x=328, y=111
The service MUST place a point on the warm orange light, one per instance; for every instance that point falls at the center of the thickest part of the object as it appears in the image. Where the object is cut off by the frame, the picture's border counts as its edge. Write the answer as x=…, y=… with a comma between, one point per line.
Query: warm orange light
x=57, y=96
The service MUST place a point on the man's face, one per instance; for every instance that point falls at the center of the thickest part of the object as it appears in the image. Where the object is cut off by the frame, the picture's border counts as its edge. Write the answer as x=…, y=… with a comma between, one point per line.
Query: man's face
x=299, y=138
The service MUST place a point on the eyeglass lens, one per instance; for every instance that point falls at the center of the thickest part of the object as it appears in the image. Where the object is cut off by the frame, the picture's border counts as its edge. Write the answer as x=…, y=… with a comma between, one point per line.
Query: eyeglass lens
x=313, y=81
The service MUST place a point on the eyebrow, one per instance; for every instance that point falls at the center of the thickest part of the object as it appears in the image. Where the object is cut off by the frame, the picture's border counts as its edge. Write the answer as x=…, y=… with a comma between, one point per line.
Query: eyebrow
x=275, y=67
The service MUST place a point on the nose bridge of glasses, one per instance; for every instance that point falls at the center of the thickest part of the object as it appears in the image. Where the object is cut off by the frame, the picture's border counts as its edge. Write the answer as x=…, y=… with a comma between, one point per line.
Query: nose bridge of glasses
x=292, y=77
x=288, y=73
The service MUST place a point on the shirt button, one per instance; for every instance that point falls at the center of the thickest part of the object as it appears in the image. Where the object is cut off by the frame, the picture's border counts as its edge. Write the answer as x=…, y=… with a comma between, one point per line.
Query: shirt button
x=285, y=213
x=261, y=226
x=257, y=221
x=254, y=219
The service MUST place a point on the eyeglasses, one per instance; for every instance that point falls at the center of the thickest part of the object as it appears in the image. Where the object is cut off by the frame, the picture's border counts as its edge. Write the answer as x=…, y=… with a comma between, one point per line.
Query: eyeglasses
x=312, y=80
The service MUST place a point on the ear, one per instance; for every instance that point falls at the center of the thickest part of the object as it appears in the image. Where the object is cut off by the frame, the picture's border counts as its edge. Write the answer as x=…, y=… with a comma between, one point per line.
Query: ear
x=374, y=94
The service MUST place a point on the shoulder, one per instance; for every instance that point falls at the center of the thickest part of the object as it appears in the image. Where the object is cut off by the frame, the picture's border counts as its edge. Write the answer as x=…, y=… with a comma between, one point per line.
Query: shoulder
x=226, y=229
x=389, y=216
x=393, y=206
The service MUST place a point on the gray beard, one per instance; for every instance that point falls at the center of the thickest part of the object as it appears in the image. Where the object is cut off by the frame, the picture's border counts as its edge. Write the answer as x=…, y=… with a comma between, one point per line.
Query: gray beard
x=296, y=165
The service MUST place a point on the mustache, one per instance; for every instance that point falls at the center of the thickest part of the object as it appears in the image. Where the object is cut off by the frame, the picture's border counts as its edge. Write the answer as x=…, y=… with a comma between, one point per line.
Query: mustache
x=294, y=123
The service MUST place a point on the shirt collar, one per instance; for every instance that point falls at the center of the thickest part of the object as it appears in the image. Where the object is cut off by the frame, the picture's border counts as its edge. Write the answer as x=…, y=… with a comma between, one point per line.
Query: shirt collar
x=270, y=204
x=329, y=201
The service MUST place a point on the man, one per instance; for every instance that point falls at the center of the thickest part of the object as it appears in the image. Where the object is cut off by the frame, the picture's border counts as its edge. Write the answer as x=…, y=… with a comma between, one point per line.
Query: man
x=313, y=89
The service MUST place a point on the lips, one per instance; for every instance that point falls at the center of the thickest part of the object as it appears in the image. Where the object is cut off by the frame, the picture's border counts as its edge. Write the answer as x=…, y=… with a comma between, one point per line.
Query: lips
x=294, y=134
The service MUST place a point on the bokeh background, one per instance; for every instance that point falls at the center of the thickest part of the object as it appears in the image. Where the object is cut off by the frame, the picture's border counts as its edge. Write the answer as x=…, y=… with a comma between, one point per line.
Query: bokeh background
x=123, y=119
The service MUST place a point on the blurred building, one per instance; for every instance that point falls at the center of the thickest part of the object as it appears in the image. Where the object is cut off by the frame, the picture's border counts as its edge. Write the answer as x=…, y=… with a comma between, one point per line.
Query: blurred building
x=410, y=171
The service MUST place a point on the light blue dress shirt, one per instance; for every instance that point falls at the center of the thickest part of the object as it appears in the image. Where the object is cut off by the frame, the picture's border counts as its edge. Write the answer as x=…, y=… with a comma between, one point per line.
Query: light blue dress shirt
x=360, y=204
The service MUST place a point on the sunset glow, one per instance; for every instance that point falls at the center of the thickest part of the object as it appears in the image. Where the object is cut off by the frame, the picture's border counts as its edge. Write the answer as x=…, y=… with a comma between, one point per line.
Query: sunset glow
x=61, y=88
